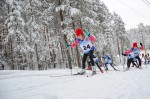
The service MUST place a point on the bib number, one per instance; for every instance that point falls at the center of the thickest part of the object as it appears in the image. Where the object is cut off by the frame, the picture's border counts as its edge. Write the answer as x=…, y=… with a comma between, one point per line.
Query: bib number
x=136, y=53
x=86, y=47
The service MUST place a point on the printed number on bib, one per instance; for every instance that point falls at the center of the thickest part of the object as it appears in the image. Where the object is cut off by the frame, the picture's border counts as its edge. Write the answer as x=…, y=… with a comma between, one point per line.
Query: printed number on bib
x=136, y=53
x=87, y=47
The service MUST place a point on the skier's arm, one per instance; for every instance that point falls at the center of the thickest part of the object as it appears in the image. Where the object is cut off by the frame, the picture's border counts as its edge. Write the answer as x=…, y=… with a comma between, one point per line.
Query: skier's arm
x=74, y=44
x=92, y=38
x=142, y=47
x=127, y=52
x=124, y=54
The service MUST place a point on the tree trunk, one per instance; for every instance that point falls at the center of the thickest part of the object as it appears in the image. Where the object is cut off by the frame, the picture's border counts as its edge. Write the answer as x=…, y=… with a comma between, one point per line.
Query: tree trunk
x=78, y=56
x=65, y=37
x=37, y=57
x=12, y=57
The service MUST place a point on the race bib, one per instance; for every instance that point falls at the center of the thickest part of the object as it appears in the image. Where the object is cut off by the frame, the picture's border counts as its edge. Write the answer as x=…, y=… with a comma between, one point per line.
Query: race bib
x=136, y=53
x=86, y=45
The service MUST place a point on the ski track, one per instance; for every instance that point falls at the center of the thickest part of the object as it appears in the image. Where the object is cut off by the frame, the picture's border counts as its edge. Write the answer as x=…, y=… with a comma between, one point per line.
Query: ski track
x=132, y=84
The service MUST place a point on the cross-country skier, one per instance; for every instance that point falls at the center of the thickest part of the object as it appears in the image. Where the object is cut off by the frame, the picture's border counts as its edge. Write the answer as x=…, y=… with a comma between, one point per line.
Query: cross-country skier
x=96, y=62
x=134, y=53
x=134, y=61
x=84, y=39
x=108, y=61
x=148, y=57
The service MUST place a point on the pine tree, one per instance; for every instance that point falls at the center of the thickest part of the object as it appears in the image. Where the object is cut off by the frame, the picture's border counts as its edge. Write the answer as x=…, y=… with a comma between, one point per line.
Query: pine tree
x=17, y=35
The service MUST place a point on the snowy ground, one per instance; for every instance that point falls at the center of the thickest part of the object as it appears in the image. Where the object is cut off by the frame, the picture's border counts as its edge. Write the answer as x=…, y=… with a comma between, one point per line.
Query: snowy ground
x=133, y=84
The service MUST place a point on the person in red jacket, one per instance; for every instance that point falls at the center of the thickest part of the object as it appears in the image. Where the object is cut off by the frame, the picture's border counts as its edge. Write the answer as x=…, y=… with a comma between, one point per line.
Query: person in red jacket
x=133, y=53
x=84, y=39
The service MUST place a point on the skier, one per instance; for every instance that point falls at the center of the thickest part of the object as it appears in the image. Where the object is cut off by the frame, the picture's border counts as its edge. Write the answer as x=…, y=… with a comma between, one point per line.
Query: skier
x=134, y=53
x=142, y=59
x=108, y=60
x=84, y=39
x=96, y=62
x=148, y=57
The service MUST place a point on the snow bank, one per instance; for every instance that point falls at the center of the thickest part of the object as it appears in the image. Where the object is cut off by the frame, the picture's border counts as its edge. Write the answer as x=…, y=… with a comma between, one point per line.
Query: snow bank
x=132, y=84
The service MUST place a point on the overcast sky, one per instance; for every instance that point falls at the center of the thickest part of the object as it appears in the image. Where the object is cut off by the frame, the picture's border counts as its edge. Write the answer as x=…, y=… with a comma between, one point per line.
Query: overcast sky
x=132, y=12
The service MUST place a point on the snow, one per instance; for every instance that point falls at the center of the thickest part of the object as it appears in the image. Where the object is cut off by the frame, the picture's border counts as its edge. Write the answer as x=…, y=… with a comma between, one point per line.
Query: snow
x=74, y=11
x=9, y=1
x=132, y=84
x=11, y=18
x=19, y=8
x=61, y=7
x=90, y=20
x=11, y=31
x=17, y=13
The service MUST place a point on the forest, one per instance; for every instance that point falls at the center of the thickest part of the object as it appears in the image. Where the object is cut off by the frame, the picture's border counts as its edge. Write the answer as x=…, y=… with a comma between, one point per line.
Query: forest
x=34, y=33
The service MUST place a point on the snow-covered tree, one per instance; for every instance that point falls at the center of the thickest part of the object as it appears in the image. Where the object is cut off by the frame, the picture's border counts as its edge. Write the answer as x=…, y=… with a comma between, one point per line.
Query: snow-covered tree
x=38, y=31
x=140, y=34
x=16, y=34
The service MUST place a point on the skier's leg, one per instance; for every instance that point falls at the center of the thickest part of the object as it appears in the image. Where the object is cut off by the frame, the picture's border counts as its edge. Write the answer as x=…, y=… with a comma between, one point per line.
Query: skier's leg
x=112, y=66
x=91, y=57
x=139, y=60
x=129, y=62
x=83, y=63
x=89, y=66
x=92, y=62
x=84, y=60
x=136, y=64
x=106, y=68
x=133, y=64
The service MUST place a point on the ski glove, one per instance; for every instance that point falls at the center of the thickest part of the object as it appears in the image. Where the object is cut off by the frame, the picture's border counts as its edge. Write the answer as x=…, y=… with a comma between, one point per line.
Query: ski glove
x=67, y=45
x=124, y=54
x=87, y=33
x=141, y=44
x=92, y=38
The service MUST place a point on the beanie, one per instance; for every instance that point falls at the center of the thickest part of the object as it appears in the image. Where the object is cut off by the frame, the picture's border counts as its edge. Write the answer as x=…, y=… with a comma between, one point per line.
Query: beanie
x=135, y=44
x=78, y=31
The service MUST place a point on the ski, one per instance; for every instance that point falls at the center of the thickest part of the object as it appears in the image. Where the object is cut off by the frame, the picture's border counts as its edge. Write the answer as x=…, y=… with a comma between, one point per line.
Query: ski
x=90, y=75
x=78, y=74
x=125, y=70
x=112, y=70
x=66, y=75
x=59, y=75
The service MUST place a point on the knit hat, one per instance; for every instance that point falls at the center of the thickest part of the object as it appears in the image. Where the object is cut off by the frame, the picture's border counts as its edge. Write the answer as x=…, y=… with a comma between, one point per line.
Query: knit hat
x=78, y=31
x=135, y=44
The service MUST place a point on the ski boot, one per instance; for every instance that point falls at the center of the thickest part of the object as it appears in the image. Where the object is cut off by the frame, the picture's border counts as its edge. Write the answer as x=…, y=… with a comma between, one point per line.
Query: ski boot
x=93, y=70
x=89, y=68
x=82, y=72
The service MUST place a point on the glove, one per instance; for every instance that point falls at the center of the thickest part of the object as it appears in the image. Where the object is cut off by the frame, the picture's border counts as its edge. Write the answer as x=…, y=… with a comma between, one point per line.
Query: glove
x=87, y=33
x=124, y=54
x=92, y=38
x=141, y=44
x=67, y=45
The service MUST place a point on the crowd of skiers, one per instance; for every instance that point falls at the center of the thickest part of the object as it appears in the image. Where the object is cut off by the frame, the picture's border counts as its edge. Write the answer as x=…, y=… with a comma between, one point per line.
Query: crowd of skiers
x=145, y=59
x=85, y=39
